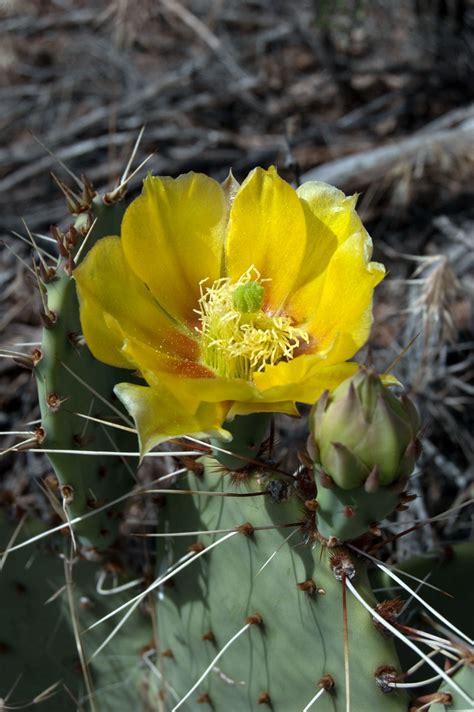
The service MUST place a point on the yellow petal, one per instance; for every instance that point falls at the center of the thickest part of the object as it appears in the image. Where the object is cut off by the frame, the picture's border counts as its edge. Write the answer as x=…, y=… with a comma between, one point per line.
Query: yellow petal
x=107, y=287
x=104, y=342
x=345, y=305
x=159, y=415
x=190, y=382
x=337, y=304
x=154, y=363
x=215, y=389
x=331, y=208
x=239, y=408
x=330, y=219
x=301, y=380
x=267, y=229
x=173, y=238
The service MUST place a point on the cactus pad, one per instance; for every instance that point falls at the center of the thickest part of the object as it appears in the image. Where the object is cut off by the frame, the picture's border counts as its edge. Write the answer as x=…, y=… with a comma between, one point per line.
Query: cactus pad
x=289, y=592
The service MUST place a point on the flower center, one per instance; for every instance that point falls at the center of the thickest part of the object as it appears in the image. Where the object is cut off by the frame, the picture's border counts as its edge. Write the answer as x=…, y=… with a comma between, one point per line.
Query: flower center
x=237, y=336
x=248, y=297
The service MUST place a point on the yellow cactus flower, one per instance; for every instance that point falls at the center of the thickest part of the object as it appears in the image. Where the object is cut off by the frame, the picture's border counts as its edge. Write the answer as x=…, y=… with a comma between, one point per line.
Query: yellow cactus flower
x=228, y=299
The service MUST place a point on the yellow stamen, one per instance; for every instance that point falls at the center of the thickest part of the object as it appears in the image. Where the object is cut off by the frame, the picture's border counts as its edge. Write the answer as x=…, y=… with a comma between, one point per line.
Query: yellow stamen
x=237, y=343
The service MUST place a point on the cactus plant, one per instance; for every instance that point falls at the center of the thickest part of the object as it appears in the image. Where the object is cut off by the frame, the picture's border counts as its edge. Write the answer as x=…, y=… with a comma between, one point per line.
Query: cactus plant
x=448, y=573
x=71, y=383
x=32, y=590
x=263, y=595
x=274, y=567
x=282, y=564
x=447, y=700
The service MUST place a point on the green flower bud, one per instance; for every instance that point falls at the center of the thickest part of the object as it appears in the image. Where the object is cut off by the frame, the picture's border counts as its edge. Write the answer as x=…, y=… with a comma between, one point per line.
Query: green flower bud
x=364, y=434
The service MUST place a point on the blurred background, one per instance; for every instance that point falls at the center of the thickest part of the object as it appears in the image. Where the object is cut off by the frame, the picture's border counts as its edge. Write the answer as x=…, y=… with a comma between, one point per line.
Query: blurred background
x=375, y=97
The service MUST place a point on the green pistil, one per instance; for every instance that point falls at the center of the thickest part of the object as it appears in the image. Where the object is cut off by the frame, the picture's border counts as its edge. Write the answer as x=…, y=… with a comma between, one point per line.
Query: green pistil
x=248, y=298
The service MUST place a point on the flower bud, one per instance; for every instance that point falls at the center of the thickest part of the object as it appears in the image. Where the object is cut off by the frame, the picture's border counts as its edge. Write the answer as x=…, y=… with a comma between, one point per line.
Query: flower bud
x=364, y=435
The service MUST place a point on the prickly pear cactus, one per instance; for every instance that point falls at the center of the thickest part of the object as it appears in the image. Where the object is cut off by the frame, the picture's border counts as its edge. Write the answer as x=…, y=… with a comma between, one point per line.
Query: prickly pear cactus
x=72, y=383
x=277, y=606
x=448, y=700
x=270, y=571
x=450, y=595
x=263, y=595
x=33, y=591
x=448, y=572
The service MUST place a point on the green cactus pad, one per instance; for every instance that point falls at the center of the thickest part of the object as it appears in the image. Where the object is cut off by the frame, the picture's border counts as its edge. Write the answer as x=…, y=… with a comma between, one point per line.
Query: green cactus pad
x=449, y=572
x=278, y=663
x=465, y=679
x=37, y=645
x=248, y=432
x=70, y=381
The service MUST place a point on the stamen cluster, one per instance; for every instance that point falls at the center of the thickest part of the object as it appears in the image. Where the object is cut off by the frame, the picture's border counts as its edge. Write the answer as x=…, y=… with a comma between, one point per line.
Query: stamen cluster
x=236, y=344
